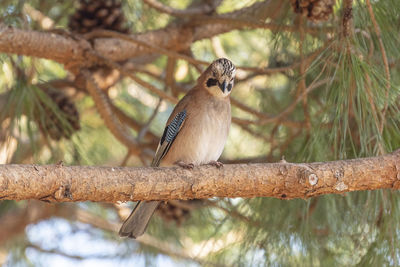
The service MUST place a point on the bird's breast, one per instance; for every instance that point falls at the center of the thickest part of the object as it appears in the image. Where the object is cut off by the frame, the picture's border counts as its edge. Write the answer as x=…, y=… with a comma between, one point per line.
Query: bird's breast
x=203, y=136
x=211, y=138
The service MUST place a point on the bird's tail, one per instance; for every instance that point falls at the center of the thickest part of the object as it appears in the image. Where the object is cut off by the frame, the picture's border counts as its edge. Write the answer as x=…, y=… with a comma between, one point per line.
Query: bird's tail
x=137, y=222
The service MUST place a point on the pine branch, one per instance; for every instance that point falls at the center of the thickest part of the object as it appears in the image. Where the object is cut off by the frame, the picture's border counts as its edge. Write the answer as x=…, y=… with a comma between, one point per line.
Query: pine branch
x=189, y=12
x=347, y=19
x=175, y=37
x=51, y=46
x=280, y=180
x=385, y=62
x=170, y=53
x=44, y=21
x=106, y=112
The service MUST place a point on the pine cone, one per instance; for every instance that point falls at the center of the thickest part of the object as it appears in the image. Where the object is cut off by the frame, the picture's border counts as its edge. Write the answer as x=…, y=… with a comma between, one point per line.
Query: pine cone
x=177, y=211
x=50, y=123
x=98, y=14
x=314, y=10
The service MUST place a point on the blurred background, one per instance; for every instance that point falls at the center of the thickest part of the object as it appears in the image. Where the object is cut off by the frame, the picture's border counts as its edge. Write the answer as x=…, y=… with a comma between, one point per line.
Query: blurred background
x=317, y=80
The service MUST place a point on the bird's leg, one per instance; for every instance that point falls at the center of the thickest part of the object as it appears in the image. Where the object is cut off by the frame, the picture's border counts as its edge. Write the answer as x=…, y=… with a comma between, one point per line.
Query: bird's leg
x=216, y=164
x=184, y=165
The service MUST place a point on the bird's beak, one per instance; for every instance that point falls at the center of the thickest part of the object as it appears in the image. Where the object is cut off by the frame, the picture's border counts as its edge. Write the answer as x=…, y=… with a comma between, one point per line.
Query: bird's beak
x=223, y=86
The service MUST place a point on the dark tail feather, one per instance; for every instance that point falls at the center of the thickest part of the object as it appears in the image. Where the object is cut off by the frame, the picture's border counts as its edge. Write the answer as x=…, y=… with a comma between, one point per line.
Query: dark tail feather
x=137, y=222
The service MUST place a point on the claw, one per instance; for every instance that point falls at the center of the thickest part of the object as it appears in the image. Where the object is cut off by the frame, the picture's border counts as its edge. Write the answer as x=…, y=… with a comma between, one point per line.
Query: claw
x=216, y=164
x=184, y=165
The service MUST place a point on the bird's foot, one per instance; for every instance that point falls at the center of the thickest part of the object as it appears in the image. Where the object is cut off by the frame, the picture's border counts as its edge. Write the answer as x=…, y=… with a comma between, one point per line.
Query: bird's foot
x=184, y=165
x=216, y=164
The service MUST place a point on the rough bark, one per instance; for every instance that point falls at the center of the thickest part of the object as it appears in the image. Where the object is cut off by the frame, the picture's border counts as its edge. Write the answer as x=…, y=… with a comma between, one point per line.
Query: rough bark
x=281, y=180
x=71, y=51
x=47, y=45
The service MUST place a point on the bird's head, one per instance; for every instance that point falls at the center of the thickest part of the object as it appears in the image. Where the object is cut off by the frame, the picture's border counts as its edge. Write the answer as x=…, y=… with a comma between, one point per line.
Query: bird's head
x=219, y=77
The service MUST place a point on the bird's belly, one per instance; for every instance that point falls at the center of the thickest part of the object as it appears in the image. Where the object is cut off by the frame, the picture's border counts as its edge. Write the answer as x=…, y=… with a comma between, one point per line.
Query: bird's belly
x=199, y=143
x=210, y=141
x=210, y=147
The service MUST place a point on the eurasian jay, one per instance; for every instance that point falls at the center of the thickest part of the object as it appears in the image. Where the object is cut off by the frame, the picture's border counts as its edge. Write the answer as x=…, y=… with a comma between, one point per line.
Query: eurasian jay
x=195, y=134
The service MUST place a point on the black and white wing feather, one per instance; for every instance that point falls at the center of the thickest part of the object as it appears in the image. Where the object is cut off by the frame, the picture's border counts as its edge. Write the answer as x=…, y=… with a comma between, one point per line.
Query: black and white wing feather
x=168, y=137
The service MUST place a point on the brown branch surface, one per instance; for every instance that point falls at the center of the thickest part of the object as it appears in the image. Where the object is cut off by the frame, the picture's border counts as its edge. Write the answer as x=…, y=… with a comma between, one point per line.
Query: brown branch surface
x=176, y=37
x=47, y=45
x=347, y=20
x=281, y=180
x=191, y=11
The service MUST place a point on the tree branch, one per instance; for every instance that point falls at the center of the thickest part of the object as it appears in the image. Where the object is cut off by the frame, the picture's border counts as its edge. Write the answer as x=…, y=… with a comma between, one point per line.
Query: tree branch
x=51, y=46
x=175, y=37
x=189, y=12
x=106, y=112
x=385, y=63
x=281, y=180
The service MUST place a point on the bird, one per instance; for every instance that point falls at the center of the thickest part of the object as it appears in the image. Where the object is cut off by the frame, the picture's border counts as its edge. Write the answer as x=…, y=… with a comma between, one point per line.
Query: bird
x=195, y=134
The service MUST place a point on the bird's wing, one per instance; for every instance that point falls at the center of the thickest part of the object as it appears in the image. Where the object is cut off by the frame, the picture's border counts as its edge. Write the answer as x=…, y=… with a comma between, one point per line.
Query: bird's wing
x=168, y=137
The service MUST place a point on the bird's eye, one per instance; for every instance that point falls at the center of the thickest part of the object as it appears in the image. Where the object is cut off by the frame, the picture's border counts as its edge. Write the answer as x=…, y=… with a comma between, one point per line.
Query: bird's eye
x=211, y=82
x=229, y=87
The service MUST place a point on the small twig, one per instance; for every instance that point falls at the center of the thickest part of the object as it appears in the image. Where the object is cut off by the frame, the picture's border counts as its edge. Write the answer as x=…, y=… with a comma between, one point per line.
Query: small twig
x=258, y=114
x=186, y=205
x=347, y=19
x=45, y=22
x=247, y=23
x=291, y=107
x=189, y=12
x=129, y=121
x=170, y=53
x=199, y=15
x=146, y=126
x=272, y=140
x=67, y=255
x=385, y=62
x=125, y=72
x=233, y=213
x=198, y=67
x=250, y=131
x=169, y=76
x=289, y=140
x=302, y=71
x=126, y=158
x=55, y=251
x=132, y=39
x=368, y=87
x=106, y=112
x=217, y=47
x=79, y=84
x=162, y=246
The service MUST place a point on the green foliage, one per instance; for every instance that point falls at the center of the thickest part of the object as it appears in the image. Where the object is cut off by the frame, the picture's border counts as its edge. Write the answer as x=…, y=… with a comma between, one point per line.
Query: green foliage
x=349, y=99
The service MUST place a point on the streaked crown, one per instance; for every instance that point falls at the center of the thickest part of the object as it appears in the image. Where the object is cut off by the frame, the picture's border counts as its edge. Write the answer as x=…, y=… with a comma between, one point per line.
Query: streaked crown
x=219, y=77
x=223, y=67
